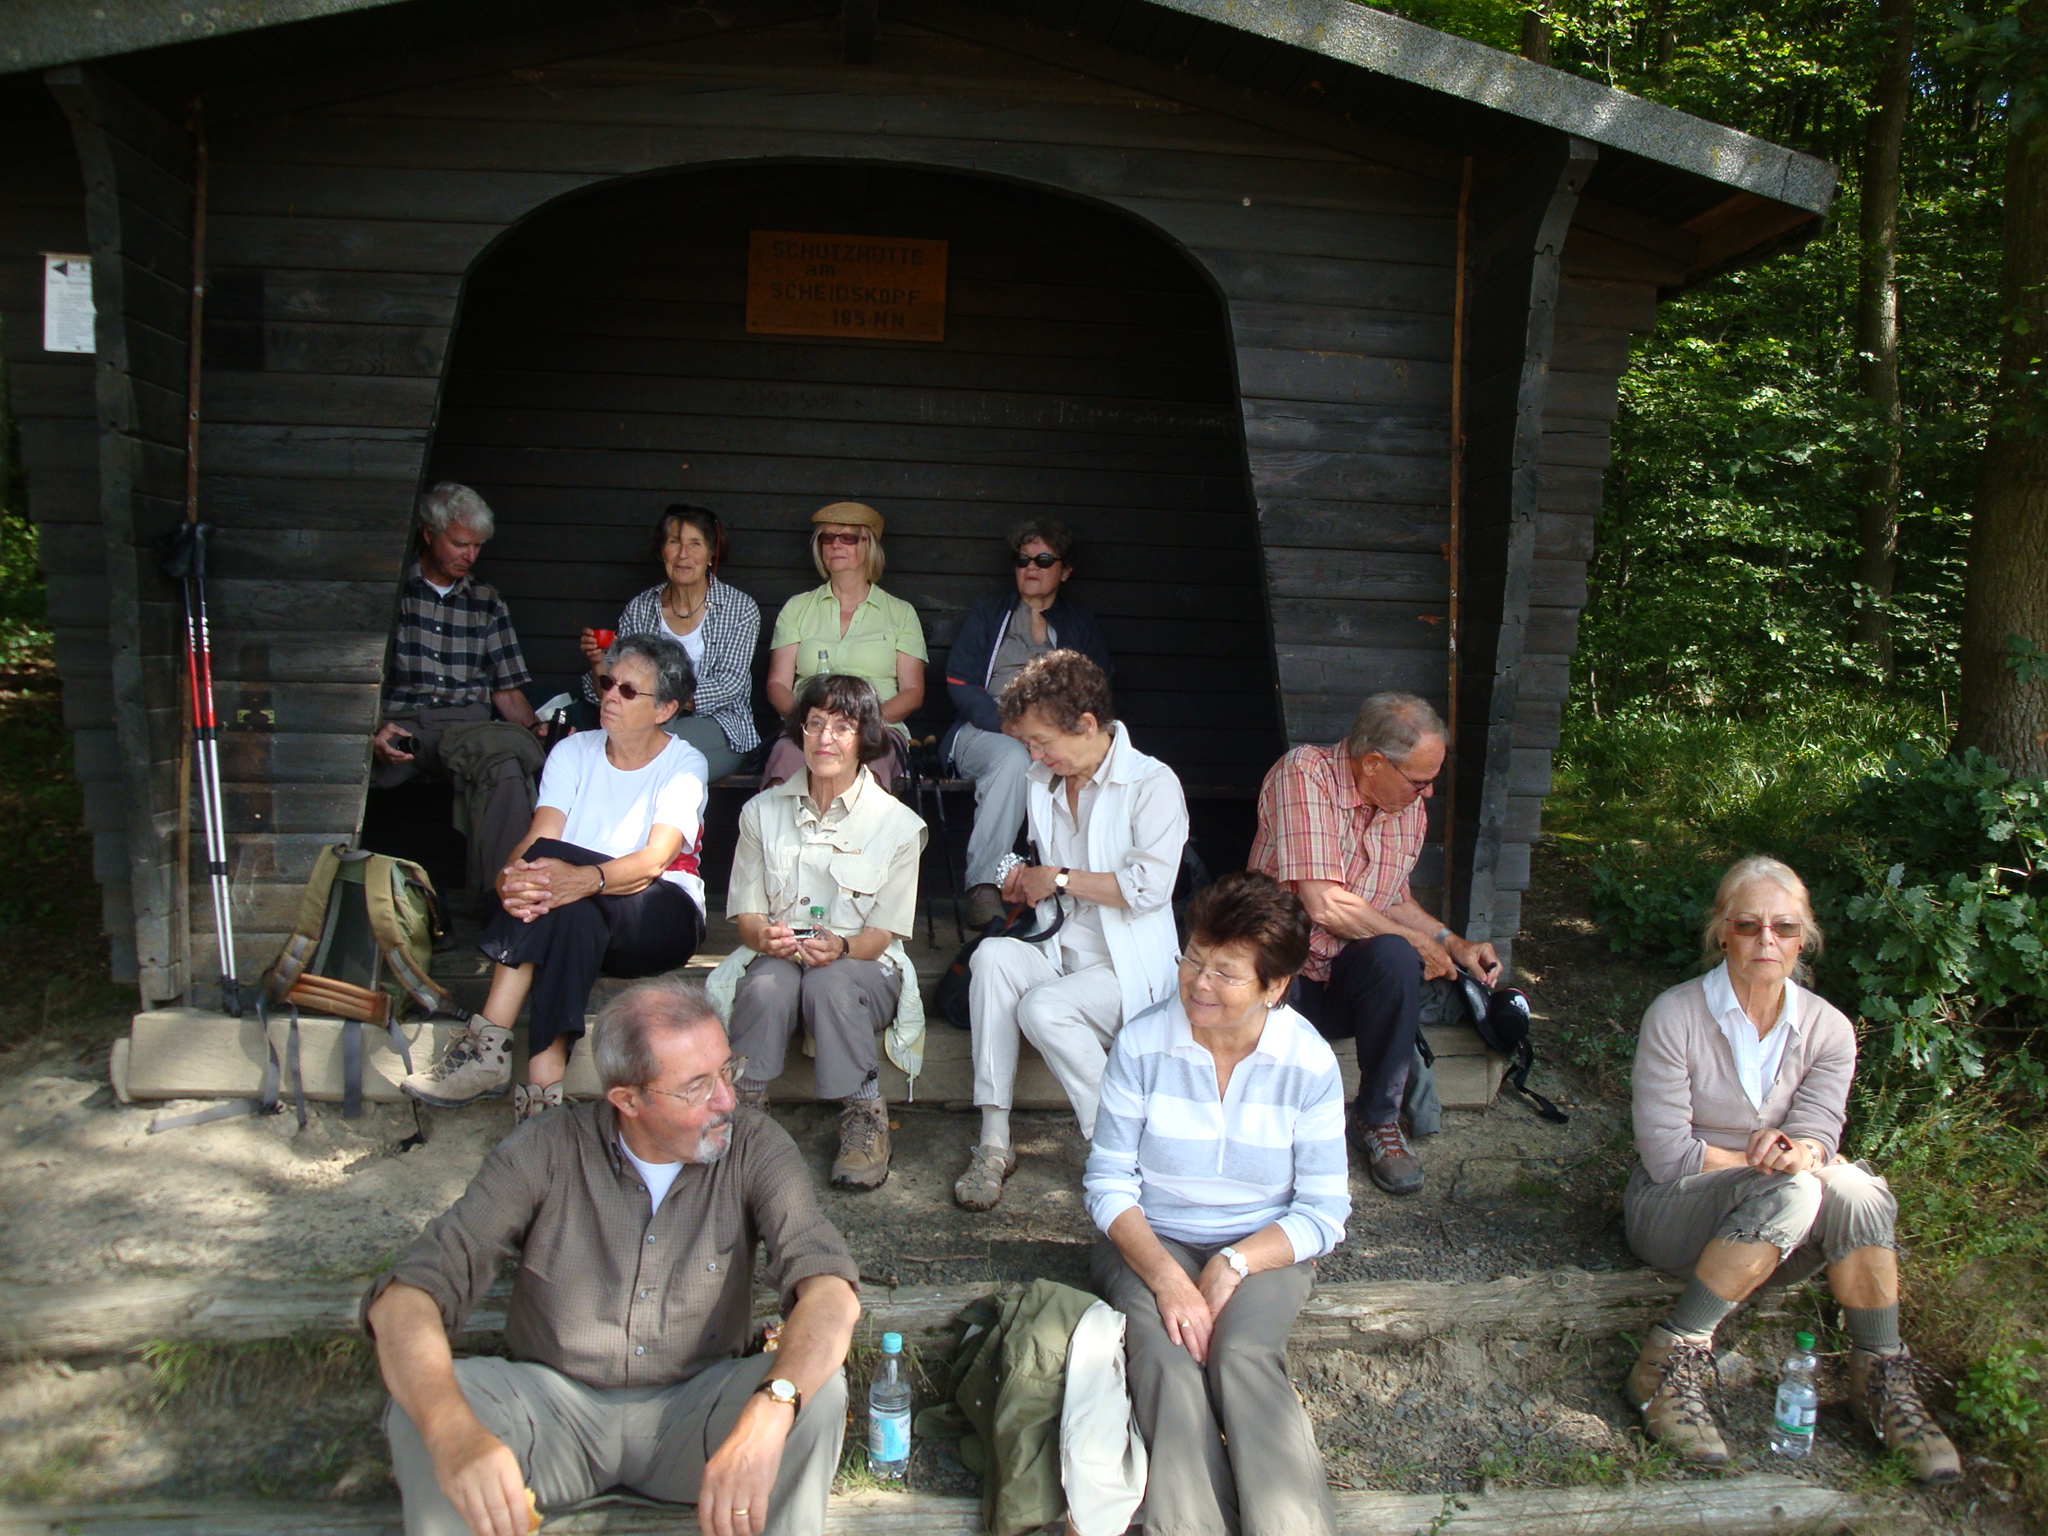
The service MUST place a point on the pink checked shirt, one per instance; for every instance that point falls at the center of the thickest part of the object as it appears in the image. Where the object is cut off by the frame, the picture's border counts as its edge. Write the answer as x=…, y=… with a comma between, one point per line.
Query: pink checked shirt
x=1314, y=825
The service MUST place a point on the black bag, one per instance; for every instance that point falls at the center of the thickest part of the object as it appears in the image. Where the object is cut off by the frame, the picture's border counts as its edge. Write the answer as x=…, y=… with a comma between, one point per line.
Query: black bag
x=951, y=998
x=1502, y=1021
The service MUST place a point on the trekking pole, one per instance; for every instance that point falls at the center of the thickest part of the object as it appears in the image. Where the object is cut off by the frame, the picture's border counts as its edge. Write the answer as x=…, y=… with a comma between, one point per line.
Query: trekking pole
x=186, y=563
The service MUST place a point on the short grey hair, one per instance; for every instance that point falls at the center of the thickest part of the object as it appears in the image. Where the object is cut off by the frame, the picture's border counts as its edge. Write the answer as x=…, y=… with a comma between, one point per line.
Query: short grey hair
x=675, y=680
x=449, y=505
x=622, y=1034
x=1393, y=725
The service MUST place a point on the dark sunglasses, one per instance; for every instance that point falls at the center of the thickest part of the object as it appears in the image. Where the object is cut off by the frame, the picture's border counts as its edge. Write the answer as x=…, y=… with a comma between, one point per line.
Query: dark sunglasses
x=841, y=538
x=1043, y=562
x=1750, y=927
x=606, y=683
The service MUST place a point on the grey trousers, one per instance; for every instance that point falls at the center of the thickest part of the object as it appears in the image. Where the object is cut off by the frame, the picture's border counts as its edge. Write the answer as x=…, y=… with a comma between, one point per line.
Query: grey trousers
x=495, y=773
x=999, y=766
x=1812, y=1219
x=576, y=1442
x=1232, y=1448
x=842, y=1005
x=708, y=737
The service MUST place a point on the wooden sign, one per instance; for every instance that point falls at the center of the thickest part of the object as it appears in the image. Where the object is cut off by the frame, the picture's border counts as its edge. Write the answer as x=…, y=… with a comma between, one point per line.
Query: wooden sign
x=875, y=287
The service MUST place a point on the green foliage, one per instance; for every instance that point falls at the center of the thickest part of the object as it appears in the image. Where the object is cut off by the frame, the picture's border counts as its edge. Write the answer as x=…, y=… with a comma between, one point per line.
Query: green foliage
x=1996, y=1391
x=23, y=631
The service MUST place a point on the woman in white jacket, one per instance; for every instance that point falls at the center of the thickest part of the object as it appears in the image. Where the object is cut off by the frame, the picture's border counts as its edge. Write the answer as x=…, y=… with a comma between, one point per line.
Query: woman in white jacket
x=1109, y=823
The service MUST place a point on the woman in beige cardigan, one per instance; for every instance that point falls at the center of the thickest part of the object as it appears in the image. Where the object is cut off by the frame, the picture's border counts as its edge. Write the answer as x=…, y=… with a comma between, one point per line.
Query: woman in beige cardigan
x=1741, y=1080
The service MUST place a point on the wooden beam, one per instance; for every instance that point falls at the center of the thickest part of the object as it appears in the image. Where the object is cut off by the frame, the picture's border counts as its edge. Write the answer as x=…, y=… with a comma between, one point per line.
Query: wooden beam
x=857, y=31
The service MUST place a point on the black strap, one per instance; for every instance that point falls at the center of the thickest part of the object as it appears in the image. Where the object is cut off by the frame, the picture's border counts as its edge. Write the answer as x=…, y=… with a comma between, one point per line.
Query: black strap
x=266, y=1100
x=351, y=1069
x=1518, y=1079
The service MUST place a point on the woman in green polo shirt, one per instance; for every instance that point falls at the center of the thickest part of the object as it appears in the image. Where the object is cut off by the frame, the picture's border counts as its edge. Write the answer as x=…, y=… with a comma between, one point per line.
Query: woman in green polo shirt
x=849, y=626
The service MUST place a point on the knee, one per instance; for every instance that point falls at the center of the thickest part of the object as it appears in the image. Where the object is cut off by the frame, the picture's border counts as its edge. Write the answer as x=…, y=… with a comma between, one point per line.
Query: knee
x=1237, y=1357
x=772, y=988
x=1389, y=959
x=1040, y=1015
x=1849, y=1191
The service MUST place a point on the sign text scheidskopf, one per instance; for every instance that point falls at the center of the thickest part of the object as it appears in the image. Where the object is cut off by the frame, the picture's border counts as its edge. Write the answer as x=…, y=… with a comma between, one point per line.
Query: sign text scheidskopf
x=877, y=287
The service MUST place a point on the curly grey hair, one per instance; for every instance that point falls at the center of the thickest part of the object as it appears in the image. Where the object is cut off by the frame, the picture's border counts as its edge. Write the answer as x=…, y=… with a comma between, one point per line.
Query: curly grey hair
x=450, y=505
x=1393, y=725
x=675, y=680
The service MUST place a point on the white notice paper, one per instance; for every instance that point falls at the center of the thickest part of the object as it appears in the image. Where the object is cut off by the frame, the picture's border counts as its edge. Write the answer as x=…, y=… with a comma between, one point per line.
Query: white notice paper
x=67, y=302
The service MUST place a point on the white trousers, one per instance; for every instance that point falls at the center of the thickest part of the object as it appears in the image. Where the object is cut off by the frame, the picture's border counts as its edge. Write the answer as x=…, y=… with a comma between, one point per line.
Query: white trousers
x=1015, y=990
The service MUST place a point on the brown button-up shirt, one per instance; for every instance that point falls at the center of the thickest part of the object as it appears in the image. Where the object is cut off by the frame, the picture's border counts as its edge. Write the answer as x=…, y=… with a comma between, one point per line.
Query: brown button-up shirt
x=607, y=1291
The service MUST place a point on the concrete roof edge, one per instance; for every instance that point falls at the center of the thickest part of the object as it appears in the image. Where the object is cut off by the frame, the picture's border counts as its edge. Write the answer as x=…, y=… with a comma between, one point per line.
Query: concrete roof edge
x=1439, y=61
x=41, y=33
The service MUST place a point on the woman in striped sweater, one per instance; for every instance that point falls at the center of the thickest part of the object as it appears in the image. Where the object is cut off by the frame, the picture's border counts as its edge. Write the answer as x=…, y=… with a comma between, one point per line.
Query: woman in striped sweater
x=1218, y=1179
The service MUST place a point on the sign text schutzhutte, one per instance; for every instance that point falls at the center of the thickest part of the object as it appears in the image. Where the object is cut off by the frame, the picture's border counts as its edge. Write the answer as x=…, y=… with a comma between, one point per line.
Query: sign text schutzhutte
x=879, y=287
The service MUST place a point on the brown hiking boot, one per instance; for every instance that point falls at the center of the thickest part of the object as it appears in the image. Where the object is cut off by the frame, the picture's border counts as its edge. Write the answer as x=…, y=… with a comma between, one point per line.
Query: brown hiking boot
x=1668, y=1387
x=863, y=1160
x=476, y=1065
x=529, y=1102
x=1388, y=1158
x=751, y=1098
x=1884, y=1392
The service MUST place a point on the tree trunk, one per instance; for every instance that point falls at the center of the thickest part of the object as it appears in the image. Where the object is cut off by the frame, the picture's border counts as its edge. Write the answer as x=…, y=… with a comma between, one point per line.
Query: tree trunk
x=2005, y=590
x=1536, y=33
x=1877, y=326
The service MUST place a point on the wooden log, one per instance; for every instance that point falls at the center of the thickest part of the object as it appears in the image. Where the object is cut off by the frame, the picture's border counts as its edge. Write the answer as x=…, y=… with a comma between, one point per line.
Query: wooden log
x=1760, y=1504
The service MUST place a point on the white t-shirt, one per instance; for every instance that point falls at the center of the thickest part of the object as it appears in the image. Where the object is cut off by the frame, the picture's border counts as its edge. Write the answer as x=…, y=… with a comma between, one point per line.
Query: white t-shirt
x=658, y=1177
x=613, y=811
x=693, y=645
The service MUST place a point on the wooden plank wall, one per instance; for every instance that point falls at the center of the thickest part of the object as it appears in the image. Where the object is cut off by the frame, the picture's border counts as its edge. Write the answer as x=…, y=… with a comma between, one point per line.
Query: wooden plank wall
x=602, y=368
x=42, y=208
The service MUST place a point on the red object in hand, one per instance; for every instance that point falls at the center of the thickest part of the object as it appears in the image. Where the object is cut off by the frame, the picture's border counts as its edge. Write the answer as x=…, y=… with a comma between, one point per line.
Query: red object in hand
x=604, y=637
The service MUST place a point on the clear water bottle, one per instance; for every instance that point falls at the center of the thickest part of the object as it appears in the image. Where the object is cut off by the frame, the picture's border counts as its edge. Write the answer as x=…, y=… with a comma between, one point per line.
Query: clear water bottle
x=889, y=1412
x=1798, y=1404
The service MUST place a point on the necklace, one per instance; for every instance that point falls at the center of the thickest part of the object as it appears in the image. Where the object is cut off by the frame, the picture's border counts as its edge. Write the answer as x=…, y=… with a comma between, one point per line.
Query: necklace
x=681, y=616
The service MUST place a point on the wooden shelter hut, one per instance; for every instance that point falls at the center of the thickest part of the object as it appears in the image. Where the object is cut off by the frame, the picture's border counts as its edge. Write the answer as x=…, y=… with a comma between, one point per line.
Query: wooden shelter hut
x=1306, y=318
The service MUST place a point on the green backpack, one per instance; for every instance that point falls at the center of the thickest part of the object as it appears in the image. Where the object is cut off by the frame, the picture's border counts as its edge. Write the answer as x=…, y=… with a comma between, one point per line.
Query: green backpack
x=363, y=945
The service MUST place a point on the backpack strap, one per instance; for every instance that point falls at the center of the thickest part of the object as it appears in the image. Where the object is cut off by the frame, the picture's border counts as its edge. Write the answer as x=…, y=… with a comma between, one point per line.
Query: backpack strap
x=384, y=886
x=266, y=1100
x=310, y=925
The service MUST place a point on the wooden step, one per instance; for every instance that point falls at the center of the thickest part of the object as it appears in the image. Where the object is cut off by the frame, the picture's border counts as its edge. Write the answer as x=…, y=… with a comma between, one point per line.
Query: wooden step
x=1757, y=1505
x=114, y=1317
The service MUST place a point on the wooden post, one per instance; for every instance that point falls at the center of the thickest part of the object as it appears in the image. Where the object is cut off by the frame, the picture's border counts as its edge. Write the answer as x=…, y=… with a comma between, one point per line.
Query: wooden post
x=1453, y=550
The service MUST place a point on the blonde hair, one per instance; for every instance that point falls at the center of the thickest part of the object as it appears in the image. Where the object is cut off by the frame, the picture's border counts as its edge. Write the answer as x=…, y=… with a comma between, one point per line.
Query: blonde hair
x=876, y=563
x=1750, y=871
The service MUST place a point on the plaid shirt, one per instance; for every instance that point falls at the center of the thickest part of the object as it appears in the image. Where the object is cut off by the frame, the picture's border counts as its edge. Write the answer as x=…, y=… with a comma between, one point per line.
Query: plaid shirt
x=609, y=1292
x=458, y=649
x=1314, y=825
x=725, y=682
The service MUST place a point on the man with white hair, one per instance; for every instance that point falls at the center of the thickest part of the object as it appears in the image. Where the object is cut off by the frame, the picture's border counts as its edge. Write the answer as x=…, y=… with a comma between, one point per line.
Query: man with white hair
x=634, y=1221
x=1342, y=827
x=454, y=662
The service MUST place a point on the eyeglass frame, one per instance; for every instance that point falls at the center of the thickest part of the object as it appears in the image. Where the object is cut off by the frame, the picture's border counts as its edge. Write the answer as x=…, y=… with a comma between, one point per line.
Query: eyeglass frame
x=1220, y=978
x=832, y=725
x=1418, y=785
x=604, y=683
x=729, y=1074
x=1758, y=926
x=856, y=538
x=1045, y=560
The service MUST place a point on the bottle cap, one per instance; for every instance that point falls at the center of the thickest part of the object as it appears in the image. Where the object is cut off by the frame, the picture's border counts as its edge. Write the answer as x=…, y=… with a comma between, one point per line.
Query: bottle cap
x=892, y=1343
x=1803, y=1340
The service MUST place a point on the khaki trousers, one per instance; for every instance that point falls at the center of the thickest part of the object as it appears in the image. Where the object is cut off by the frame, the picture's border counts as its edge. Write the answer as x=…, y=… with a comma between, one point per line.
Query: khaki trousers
x=844, y=1006
x=1233, y=1453
x=576, y=1442
x=1812, y=1219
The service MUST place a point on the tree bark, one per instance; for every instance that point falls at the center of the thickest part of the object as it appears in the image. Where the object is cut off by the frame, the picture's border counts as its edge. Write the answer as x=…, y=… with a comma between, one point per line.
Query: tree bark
x=1536, y=33
x=2005, y=589
x=1877, y=326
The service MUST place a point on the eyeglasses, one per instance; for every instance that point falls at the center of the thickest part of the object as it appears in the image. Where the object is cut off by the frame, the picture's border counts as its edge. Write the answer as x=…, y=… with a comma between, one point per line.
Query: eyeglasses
x=606, y=683
x=841, y=538
x=1418, y=785
x=1750, y=927
x=1044, y=562
x=831, y=725
x=1194, y=971
x=699, y=1090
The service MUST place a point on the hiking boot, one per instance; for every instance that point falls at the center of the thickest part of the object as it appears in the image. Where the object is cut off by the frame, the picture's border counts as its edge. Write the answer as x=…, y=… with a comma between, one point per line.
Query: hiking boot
x=1388, y=1159
x=1668, y=1387
x=863, y=1160
x=1884, y=1392
x=984, y=905
x=529, y=1101
x=981, y=1186
x=751, y=1098
x=476, y=1065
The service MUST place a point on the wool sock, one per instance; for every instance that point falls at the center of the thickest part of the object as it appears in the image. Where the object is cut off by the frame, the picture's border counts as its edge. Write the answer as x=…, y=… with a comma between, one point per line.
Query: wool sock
x=995, y=1127
x=871, y=1089
x=1699, y=1311
x=1875, y=1329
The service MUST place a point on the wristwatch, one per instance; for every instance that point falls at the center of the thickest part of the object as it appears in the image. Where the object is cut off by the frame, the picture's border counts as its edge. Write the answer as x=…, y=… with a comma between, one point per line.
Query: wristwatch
x=1059, y=881
x=1236, y=1261
x=777, y=1390
x=1444, y=935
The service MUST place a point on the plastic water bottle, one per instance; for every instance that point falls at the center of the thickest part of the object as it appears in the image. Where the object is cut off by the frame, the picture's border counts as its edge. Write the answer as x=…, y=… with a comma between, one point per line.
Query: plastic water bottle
x=889, y=1412
x=1798, y=1404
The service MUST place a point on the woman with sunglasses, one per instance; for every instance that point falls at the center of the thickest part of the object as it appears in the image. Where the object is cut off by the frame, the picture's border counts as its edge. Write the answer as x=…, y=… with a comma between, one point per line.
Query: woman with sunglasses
x=1741, y=1082
x=997, y=639
x=605, y=882
x=851, y=627
x=718, y=625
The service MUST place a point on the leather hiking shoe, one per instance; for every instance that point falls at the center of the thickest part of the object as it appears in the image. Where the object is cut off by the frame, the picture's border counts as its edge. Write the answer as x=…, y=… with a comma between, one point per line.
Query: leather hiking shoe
x=1668, y=1387
x=1388, y=1159
x=863, y=1160
x=1884, y=1392
x=984, y=905
x=529, y=1101
x=752, y=1098
x=476, y=1065
x=981, y=1186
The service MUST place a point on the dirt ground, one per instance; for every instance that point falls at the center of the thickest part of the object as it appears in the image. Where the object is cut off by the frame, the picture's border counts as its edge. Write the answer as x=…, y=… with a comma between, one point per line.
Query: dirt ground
x=88, y=1195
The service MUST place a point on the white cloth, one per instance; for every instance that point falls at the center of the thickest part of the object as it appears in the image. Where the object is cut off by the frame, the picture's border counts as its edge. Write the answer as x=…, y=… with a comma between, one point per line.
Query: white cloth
x=1102, y=1453
x=1757, y=1058
x=1014, y=990
x=658, y=1177
x=693, y=644
x=613, y=811
x=1133, y=823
